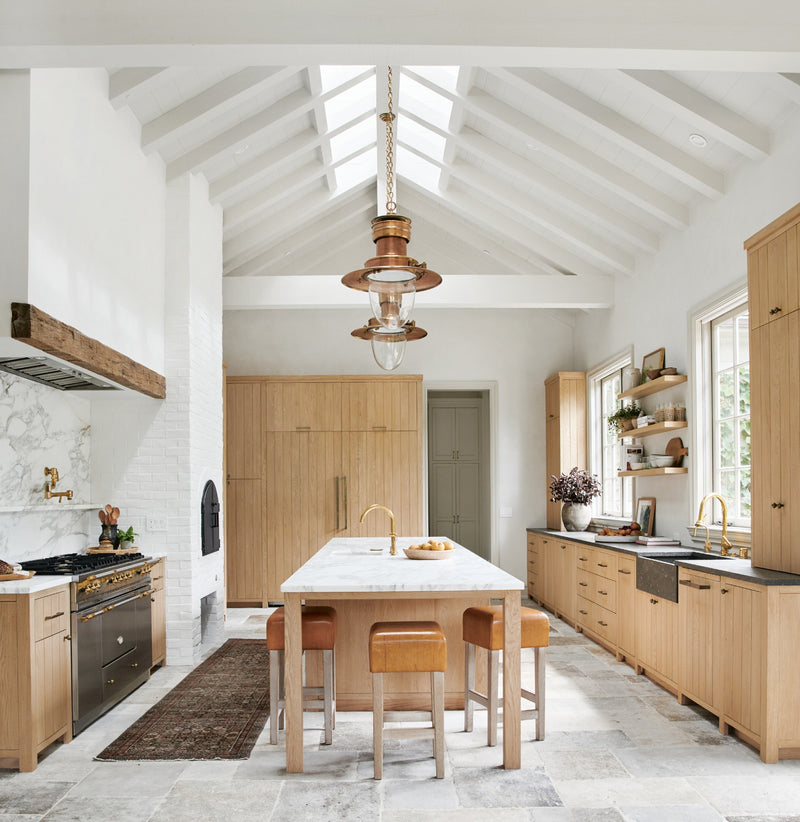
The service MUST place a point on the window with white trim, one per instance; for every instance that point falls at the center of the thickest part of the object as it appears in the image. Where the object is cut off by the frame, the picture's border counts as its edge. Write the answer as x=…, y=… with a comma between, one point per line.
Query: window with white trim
x=722, y=400
x=605, y=383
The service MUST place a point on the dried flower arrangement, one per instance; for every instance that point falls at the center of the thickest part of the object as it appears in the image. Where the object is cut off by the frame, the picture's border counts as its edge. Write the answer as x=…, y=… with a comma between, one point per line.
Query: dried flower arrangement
x=578, y=487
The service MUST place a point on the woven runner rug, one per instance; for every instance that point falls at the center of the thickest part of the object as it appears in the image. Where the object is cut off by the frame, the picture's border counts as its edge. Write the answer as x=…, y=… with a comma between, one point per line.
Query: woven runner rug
x=216, y=712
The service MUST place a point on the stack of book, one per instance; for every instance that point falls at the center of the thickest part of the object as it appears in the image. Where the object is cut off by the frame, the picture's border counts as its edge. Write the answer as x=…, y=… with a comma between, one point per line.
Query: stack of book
x=644, y=540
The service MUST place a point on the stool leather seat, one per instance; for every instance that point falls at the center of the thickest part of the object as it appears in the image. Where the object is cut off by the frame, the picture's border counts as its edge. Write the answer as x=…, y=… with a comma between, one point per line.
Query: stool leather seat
x=407, y=646
x=319, y=628
x=483, y=626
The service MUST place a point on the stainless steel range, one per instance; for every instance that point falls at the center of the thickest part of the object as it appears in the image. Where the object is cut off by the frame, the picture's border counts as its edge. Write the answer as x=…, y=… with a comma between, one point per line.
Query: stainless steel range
x=110, y=626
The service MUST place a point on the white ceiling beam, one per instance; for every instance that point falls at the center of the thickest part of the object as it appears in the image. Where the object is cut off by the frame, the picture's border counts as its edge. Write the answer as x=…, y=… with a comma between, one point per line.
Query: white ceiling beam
x=466, y=78
x=272, y=159
x=321, y=123
x=616, y=128
x=259, y=238
x=219, y=98
x=702, y=113
x=572, y=154
x=125, y=82
x=556, y=189
x=463, y=291
x=789, y=85
x=289, y=108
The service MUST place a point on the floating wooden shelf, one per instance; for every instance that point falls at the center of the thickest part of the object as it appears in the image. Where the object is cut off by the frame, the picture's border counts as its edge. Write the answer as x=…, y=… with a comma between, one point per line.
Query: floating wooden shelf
x=653, y=386
x=656, y=428
x=652, y=472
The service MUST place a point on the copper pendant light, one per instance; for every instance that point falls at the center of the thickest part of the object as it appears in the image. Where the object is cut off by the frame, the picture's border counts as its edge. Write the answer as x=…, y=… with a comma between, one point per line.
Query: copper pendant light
x=388, y=345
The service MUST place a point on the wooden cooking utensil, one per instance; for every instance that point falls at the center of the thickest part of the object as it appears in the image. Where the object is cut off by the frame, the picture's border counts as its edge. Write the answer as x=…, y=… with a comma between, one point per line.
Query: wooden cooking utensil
x=676, y=450
x=114, y=515
x=108, y=509
x=102, y=515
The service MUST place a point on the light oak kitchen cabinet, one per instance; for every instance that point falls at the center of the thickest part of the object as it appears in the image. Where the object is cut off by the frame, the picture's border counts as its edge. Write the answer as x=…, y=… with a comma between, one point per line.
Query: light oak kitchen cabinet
x=657, y=648
x=35, y=675
x=565, y=431
x=773, y=270
x=626, y=608
x=597, y=594
x=329, y=446
x=158, y=613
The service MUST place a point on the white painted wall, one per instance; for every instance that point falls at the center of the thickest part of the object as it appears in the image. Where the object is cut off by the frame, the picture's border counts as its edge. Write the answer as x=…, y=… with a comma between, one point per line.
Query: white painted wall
x=96, y=227
x=692, y=267
x=514, y=349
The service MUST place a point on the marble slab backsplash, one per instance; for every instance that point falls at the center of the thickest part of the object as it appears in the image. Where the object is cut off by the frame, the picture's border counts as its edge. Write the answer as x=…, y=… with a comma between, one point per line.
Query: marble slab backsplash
x=41, y=426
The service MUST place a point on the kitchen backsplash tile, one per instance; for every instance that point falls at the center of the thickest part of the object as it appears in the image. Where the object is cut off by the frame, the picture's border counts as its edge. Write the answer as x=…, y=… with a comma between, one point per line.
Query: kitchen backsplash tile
x=39, y=427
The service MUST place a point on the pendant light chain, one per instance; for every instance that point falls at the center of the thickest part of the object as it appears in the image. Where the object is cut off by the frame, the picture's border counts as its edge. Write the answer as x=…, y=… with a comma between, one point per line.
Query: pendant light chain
x=391, y=205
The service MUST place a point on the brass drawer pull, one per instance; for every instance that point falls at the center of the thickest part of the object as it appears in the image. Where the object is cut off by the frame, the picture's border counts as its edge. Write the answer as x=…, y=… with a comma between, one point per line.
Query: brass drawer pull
x=653, y=601
x=583, y=584
x=583, y=559
x=621, y=571
x=723, y=590
x=585, y=613
x=381, y=428
x=602, y=565
x=689, y=584
x=776, y=310
x=777, y=505
x=604, y=624
x=54, y=616
x=603, y=593
x=302, y=428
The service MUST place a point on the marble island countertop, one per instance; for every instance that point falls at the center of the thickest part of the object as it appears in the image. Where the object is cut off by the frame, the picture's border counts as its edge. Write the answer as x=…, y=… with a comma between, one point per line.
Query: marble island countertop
x=348, y=565
x=732, y=567
x=36, y=583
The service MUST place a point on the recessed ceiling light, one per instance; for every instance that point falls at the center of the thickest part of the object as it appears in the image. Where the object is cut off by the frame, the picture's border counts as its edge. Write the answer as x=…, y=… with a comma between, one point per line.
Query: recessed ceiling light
x=698, y=140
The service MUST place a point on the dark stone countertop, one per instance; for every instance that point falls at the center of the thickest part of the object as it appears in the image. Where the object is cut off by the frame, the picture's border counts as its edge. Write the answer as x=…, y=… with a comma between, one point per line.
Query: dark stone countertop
x=733, y=568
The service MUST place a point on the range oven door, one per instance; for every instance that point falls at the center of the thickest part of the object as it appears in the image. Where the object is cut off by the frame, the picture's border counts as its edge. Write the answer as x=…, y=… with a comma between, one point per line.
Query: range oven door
x=111, y=654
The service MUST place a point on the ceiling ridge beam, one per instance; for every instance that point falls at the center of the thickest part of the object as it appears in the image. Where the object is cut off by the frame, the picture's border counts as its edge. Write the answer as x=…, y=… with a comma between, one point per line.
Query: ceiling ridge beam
x=288, y=108
x=570, y=196
x=273, y=158
x=617, y=128
x=257, y=239
x=570, y=153
x=209, y=103
x=125, y=82
x=715, y=119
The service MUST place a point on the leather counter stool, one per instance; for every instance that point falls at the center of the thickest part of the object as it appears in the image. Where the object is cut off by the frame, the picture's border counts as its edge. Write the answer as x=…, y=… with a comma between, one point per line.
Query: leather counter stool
x=319, y=634
x=484, y=627
x=408, y=647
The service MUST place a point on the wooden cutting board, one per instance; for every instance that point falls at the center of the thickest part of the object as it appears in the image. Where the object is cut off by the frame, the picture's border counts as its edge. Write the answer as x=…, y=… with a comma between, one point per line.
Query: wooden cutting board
x=676, y=450
x=20, y=575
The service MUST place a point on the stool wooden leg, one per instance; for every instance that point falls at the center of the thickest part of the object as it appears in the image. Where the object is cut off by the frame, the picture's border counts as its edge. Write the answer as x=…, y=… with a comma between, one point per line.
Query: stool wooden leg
x=437, y=713
x=282, y=687
x=469, y=684
x=275, y=675
x=492, y=695
x=541, y=661
x=333, y=689
x=327, y=694
x=377, y=724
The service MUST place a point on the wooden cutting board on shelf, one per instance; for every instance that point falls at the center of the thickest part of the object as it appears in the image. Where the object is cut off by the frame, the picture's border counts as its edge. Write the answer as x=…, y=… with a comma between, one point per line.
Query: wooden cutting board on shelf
x=676, y=450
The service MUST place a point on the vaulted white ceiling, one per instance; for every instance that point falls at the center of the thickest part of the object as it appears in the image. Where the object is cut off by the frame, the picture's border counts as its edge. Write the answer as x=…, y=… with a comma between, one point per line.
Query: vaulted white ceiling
x=554, y=182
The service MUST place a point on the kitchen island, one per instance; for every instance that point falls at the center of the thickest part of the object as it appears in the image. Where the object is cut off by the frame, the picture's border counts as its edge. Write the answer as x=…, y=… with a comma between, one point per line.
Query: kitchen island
x=367, y=586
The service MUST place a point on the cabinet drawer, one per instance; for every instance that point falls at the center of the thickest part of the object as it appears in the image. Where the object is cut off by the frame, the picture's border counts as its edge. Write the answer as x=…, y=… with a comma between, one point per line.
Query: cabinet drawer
x=597, y=620
x=585, y=558
x=50, y=614
x=597, y=589
x=157, y=576
x=605, y=564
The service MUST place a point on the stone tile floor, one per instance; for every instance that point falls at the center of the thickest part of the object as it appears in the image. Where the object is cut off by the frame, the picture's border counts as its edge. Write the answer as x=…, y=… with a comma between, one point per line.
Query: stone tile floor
x=618, y=748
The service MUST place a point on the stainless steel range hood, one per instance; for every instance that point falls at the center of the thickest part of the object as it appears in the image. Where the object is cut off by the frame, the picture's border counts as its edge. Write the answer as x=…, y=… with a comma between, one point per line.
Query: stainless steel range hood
x=50, y=372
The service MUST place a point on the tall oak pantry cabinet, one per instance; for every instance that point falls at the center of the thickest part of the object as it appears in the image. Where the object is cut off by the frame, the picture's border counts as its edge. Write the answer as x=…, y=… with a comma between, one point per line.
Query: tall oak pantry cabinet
x=305, y=456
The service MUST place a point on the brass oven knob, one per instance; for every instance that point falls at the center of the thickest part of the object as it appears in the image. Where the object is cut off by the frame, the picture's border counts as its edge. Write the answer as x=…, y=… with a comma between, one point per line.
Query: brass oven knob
x=109, y=682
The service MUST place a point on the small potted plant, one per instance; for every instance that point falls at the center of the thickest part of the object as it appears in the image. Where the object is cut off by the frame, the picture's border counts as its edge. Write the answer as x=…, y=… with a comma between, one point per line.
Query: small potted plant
x=126, y=539
x=623, y=418
x=575, y=491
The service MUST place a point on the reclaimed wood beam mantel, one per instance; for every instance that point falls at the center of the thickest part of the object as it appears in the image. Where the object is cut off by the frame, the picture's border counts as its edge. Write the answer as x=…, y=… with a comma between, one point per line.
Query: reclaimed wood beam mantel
x=36, y=328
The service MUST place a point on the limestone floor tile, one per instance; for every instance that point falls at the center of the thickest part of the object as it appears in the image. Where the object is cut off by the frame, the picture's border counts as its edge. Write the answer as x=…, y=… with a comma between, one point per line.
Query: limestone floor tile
x=322, y=765
x=597, y=764
x=775, y=791
x=102, y=809
x=193, y=800
x=498, y=788
x=672, y=813
x=460, y=815
x=583, y=740
x=20, y=797
x=412, y=763
x=691, y=760
x=129, y=779
x=413, y=794
x=217, y=769
x=576, y=815
x=604, y=793
x=328, y=802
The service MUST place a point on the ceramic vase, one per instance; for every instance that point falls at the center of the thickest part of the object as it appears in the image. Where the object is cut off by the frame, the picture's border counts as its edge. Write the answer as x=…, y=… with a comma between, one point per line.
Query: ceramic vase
x=576, y=516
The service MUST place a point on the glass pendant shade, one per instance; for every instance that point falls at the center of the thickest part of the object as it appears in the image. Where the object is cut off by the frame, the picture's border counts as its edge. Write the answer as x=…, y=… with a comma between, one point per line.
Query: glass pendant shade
x=388, y=349
x=392, y=302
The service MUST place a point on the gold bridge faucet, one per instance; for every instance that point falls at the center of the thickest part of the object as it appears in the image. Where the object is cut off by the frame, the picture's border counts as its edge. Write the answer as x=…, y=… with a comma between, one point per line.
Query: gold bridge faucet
x=50, y=484
x=724, y=542
x=392, y=532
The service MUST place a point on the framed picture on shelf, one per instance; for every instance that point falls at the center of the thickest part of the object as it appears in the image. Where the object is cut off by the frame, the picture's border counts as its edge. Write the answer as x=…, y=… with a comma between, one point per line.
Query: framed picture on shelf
x=646, y=514
x=654, y=361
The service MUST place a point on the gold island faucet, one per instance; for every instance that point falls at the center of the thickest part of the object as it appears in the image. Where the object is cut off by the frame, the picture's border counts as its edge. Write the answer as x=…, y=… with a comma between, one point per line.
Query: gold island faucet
x=724, y=542
x=50, y=484
x=392, y=532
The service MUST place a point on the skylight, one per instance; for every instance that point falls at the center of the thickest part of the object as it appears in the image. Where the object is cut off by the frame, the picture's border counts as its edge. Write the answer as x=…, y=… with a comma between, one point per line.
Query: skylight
x=358, y=136
x=333, y=76
x=357, y=170
x=444, y=76
x=423, y=139
x=341, y=108
x=424, y=102
x=418, y=170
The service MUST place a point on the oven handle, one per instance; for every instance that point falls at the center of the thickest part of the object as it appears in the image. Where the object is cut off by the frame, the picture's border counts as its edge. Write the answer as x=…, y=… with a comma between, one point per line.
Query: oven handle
x=116, y=605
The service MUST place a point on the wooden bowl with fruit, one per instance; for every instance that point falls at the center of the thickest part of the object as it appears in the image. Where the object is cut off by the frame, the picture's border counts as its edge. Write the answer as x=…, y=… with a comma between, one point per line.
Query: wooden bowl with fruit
x=432, y=549
x=628, y=533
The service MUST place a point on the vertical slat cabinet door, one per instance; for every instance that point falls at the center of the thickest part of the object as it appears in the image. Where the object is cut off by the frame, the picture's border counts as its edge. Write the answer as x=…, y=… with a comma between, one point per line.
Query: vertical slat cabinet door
x=468, y=440
x=567, y=580
x=385, y=404
x=244, y=557
x=645, y=639
x=443, y=491
x=442, y=433
x=790, y=449
x=699, y=603
x=553, y=463
x=777, y=278
x=9, y=671
x=626, y=594
x=298, y=405
x=757, y=287
x=243, y=428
